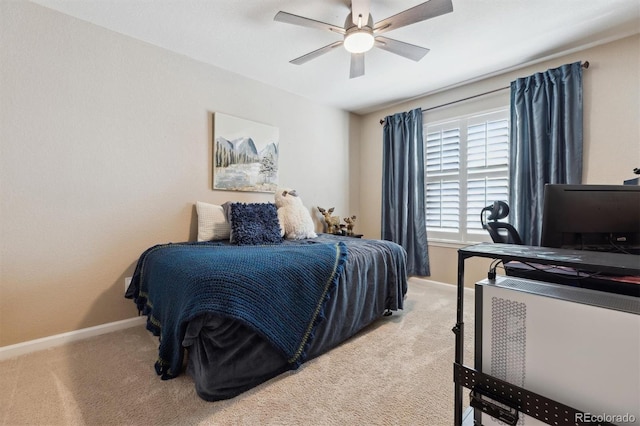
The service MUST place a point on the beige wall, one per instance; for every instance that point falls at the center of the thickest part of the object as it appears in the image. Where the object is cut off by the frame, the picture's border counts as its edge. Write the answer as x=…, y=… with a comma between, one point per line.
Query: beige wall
x=611, y=132
x=105, y=145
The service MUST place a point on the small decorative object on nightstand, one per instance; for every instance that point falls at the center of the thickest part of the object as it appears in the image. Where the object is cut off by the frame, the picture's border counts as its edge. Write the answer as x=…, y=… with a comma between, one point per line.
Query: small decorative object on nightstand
x=333, y=222
x=351, y=223
x=335, y=227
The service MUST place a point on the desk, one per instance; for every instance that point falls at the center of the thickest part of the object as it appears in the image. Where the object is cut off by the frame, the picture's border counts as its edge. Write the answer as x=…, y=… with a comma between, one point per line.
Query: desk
x=605, y=263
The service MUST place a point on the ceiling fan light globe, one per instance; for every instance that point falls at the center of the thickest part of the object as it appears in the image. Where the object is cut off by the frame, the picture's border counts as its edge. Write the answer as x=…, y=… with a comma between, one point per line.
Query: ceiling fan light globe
x=358, y=41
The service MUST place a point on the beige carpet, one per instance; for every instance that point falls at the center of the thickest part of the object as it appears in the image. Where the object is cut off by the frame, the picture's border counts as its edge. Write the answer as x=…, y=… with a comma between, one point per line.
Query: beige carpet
x=396, y=372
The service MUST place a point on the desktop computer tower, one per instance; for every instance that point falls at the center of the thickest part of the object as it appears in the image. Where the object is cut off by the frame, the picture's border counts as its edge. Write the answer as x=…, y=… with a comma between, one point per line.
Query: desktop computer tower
x=578, y=347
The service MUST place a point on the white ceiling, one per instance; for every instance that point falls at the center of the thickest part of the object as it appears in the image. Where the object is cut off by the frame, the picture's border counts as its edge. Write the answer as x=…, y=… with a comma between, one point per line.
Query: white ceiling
x=480, y=37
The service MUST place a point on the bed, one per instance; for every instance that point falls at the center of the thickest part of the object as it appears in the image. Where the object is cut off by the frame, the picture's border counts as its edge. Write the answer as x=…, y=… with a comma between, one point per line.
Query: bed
x=245, y=314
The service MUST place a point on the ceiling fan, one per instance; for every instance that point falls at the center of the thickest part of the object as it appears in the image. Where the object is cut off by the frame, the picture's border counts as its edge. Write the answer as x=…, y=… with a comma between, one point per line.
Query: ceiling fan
x=361, y=34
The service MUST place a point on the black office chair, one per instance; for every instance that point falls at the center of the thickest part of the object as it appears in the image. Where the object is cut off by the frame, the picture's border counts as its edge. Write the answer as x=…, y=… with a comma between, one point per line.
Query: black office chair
x=499, y=210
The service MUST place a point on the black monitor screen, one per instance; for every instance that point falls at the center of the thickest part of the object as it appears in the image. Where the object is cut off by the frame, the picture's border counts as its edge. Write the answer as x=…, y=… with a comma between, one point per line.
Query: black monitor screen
x=592, y=217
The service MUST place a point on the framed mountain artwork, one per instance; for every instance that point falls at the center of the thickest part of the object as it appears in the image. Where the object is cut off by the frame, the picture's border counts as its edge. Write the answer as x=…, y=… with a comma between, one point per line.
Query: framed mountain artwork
x=245, y=155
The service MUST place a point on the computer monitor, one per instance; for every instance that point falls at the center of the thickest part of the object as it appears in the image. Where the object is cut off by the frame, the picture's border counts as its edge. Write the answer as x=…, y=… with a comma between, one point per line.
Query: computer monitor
x=592, y=217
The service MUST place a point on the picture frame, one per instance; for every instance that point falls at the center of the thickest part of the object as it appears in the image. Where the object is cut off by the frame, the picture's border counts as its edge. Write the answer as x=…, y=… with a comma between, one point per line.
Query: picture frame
x=245, y=155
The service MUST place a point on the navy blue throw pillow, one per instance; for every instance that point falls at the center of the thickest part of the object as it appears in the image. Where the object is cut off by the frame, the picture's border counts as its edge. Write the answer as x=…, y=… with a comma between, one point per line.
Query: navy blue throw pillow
x=255, y=224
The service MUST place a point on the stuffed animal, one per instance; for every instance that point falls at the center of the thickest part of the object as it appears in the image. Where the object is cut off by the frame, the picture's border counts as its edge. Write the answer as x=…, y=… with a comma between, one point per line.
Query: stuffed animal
x=351, y=223
x=295, y=220
x=333, y=222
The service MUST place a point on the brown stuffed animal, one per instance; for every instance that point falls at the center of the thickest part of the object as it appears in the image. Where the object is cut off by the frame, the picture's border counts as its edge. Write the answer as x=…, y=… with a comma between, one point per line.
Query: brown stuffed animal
x=333, y=222
x=351, y=223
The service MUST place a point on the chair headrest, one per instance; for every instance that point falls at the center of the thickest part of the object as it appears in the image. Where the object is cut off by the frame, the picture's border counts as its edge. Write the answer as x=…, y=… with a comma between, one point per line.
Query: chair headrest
x=497, y=210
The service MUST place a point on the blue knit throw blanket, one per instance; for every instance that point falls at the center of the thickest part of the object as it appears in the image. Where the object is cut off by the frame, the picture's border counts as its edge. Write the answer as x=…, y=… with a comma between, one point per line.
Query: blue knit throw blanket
x=279, y=291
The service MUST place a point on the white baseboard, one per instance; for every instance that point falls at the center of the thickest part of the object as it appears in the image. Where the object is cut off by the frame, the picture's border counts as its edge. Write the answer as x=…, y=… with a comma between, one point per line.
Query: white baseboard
x=424, y=280
x=18, y=349
x=440, y=283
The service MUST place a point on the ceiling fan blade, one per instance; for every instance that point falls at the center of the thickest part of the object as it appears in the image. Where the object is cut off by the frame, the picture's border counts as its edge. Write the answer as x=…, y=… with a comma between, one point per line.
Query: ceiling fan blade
x=357, y=65
x=360, y=7
x=290, y=18
x=410, y=51
x=312, y=55
x=421, y=12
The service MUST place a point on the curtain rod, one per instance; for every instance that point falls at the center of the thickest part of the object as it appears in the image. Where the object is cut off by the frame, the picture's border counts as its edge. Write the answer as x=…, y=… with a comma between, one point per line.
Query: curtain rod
x=584, y=65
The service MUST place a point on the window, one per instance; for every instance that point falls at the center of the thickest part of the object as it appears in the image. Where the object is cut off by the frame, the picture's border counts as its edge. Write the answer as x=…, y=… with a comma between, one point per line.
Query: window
x=466, y=169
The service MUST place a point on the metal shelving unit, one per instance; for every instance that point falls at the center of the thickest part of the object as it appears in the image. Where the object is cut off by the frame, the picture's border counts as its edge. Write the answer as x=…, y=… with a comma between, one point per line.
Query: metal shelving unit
x=517, y=399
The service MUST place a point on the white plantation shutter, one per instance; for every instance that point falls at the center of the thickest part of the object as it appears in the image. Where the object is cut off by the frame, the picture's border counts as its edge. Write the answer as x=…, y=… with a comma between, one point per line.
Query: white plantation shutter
x=481, y=193
x=487, y=165
x=466, y=169
x=443, y=205
x=442, y=169
x=443, y=151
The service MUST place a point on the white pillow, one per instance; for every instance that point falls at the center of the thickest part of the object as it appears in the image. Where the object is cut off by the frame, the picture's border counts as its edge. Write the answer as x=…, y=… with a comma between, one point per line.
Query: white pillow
x=212, y=223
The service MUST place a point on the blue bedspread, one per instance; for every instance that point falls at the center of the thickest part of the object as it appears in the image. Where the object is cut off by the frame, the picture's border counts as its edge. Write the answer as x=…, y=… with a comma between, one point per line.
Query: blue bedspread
x=278, y=291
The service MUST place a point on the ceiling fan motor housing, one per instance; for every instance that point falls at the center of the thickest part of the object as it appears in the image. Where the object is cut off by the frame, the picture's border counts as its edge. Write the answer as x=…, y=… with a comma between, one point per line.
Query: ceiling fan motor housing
x=358, y=38
x=350, y=25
